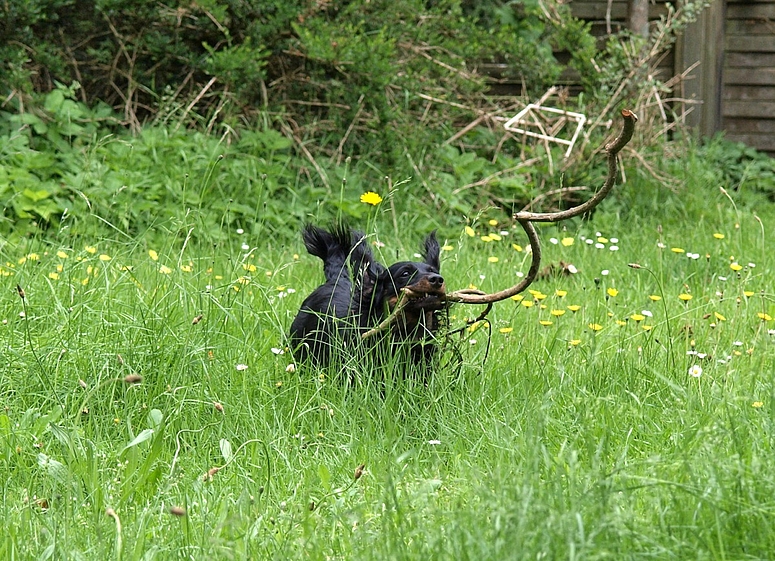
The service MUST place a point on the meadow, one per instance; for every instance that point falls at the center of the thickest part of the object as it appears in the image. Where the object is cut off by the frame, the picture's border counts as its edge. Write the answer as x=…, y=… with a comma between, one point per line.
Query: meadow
x=151, y=409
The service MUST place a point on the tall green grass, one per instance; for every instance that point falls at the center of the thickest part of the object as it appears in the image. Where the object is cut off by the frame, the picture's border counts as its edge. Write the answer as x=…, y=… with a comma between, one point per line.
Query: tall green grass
x=149, y=411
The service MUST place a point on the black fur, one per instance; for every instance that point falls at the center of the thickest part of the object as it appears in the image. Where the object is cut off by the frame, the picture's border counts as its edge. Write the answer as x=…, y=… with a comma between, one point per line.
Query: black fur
x=359, y=293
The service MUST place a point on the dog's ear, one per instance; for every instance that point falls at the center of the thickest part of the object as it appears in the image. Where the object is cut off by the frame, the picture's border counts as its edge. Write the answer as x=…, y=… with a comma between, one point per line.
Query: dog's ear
x=432, y=251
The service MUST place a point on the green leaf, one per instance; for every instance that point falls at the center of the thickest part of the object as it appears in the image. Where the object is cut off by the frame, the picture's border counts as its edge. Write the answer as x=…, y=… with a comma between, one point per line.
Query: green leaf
x=226, y=451
x=147, y=434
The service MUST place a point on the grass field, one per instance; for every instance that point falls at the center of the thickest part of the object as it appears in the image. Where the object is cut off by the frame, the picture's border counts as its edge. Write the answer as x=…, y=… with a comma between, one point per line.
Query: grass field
x=149, y=411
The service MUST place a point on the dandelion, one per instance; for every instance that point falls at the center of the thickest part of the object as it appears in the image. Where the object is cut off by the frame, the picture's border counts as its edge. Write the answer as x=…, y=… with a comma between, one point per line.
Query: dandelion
x=241, y=367
x=492, y=222
x=516, y=247
x=574, y=308
x=371, y=198
x=53, y=276
x=186, y=268
x=685, y=297
x=105, y=257
x=575, y=342
x=764, y=317
x=492, y=259
x=506, y=329
x=249, y=267
x=719, y=317
x=486, y=238
x=90, y=249
x=695, y=371
x=546, y=322
x=601, y=239
x=757, y=404
x=527, y=303
x=567, y=242
x=718, y=236
x=517, y=297
x=62, y=255
x=637, y=317
x=655, y=297
x=560, y=293
x=612, y=292
x=736, y=267
x=647, y=327
x=748, y=293
x=495, y=237
x=557, y=313
x=153, y=255
x=677, y=250
x=447, y=247
x=469, y=231
x=164, y=270
x=595, y=326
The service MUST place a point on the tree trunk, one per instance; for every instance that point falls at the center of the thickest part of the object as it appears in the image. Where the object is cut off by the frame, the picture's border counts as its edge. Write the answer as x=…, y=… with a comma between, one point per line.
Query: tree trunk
x=638, y=20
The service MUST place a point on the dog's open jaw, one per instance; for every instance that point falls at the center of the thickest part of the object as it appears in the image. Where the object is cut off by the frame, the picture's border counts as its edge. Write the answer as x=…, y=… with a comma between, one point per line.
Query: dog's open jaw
x=423, y=294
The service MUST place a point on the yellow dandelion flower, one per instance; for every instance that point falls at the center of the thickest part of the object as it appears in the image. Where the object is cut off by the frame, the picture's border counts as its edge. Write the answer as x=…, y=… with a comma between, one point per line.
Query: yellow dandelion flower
x=718, y=236
x=469, y=231
x=595, y=326
x=647, y=327
x=164, y=270
x=85, y=281
x=492, y=259
x=153, y=255
x=506, y=329
x=516, y=247
x=90, y=270
x=685, y=297
x=574, y=308
x=757, y=404
x=655, y=297
x=90, y=249
x=53, y=276
x=612, y=292
x=560, y=293
x=620, y=322
x=62, y=255
x=748, y=293
x=602, y=239
x=557, y=313
x=60, y=268
x=764, y=317
x=677, y=250
x=249, y=267
x=517, y=297
x=33, y=256
x=492, y=222
x=486, y=238
x=22, y=260
x=527, y=303
x=545, y=322
x=567, y=242
x=371, y=198
x=495, y=237
x=637, y=317
x=575, y=342
x=186, y=268
x=736, y=267
x=104, y=257
x=443, y=248
x=719, y=316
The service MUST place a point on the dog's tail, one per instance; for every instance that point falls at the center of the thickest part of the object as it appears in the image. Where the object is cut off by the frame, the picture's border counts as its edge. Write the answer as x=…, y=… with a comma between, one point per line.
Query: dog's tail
x=332, y=247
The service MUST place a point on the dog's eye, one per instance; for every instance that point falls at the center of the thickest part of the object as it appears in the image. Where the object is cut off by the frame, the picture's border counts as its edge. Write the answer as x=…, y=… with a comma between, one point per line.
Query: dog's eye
x=404, y=274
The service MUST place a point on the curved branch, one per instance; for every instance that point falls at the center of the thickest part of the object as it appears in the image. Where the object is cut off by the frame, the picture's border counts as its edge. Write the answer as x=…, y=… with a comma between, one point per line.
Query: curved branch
x=525, y=219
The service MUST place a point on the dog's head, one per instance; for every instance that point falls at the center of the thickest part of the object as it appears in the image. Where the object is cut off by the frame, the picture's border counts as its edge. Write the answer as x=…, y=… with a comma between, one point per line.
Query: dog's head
x=422, y=278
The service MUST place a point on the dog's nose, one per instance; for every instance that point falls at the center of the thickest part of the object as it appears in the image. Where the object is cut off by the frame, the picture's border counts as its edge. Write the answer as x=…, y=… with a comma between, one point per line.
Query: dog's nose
x=436, y=281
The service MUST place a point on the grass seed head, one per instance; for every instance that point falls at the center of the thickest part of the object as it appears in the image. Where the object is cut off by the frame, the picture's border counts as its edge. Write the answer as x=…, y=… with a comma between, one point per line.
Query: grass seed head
x=133, y=379
x=359, y=471
x=178, y=511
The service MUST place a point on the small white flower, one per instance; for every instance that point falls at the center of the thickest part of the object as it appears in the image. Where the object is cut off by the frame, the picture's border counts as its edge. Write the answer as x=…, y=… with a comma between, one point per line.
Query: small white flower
x=434, y=442
x=605, y=272
x=504, y=232
x=241, y=367
x=277, y=351
x=472, y=341
x=660, y=245
x=614, y=248
x=647, y=313
x=482, y=277
x=599, y=245
x=290, y=290
x=589, y=241
x=291, y=368
x=691, y=353
x=572, y=269
x=598, y=234
x=554, y=241
x=245, y=247
x=722, y=278
x=751, y=265
x=738, y=344
x=240, y=231
x=769, y=331
x=695, y=371
x=520, y=274
x=614, y=240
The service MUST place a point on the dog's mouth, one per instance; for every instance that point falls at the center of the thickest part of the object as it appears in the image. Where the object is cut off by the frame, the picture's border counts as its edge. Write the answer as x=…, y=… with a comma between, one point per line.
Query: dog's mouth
x=420, y=297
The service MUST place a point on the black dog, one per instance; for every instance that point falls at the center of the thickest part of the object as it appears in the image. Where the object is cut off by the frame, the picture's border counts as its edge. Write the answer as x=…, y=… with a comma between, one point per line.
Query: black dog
x=359, y=293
